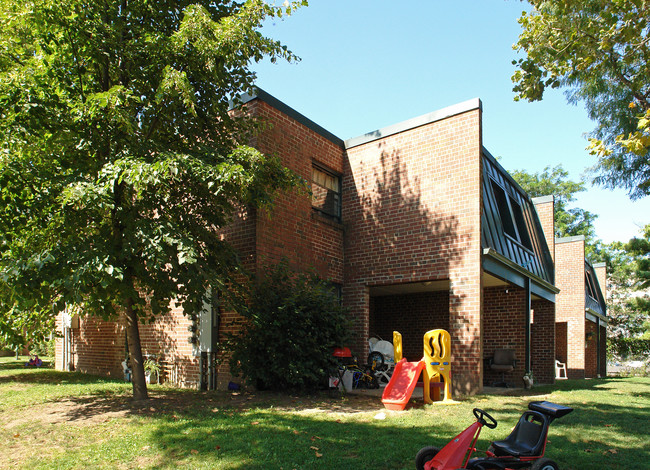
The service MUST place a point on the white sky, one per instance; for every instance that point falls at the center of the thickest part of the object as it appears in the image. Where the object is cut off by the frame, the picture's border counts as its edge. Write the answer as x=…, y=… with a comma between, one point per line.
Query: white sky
x=367, y=64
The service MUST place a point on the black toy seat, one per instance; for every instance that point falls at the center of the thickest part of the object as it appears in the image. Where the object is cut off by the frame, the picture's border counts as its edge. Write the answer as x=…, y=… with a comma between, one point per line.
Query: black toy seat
x=527, y=438
x=529, y=435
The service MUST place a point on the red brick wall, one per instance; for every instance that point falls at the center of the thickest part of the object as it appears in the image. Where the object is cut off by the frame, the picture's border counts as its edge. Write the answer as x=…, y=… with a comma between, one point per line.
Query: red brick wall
x=167, y=339
x=504, y=323
x=542, y=342
x=412, y=315
x=570, y=306
x=294, y=230
x=545, y=211
x=591, y=351
x=504, y=328
x=561, y=343
x=411, y=207
x=603, y=351
x=97, y=347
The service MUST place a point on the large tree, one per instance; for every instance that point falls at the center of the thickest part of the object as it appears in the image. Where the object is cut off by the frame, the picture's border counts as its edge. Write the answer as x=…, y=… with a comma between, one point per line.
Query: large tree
x=120, y=157
x=628, y=304
x=598, y=50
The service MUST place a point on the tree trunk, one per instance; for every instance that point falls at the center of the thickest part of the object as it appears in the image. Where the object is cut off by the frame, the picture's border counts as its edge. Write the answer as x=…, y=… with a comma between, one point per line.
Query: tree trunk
x=135, y=353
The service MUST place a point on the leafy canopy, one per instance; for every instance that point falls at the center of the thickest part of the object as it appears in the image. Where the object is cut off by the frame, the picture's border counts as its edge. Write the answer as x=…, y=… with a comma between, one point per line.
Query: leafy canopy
x=598, y=50
x=119, y=157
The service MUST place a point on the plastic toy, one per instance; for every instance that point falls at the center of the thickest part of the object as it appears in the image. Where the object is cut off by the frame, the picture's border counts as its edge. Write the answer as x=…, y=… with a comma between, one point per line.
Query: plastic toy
x=523, y=448
x=437, y=364
x=434, y=366
x=397, y=345
x=400, y=388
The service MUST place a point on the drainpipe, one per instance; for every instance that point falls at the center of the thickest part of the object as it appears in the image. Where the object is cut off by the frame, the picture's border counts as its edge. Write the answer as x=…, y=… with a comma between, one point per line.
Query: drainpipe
x=527, y=327
x=597, y=346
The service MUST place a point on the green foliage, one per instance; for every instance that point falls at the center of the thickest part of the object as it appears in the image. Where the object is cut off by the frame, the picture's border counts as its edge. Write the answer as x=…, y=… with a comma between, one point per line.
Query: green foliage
x=293, y=322
x=119, y=158
x=44, y=348
x=598, y=50
x=628, y=306
x=633, y=348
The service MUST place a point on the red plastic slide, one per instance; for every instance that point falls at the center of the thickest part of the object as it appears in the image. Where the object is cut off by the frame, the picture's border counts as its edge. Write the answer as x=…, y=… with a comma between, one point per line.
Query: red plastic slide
x=400, y=388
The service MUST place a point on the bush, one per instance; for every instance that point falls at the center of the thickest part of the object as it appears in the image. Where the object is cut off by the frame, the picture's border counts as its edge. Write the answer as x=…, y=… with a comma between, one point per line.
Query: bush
x=293, y=323
x=44, y=348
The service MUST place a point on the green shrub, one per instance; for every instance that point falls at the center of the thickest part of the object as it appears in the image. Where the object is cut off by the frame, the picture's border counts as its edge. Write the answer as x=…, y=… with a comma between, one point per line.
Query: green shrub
x=293, y=323
x=44, y=348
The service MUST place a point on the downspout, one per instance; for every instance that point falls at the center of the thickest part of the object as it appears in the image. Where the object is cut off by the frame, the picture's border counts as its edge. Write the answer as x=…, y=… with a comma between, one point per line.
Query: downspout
x=597, y=346
x=527, y=327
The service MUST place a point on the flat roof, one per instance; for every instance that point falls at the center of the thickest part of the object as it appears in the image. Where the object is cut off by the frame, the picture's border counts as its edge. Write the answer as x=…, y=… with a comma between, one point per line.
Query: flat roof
x=289, y=111
x=449, y=111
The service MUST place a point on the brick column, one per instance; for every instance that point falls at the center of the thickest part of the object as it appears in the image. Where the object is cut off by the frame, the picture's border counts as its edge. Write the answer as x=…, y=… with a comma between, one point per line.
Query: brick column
x=545, y=207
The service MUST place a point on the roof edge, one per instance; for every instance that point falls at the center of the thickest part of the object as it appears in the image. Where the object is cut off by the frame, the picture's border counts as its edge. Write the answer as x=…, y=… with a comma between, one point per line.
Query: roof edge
x=543, y=199
x=271, y=100
x=492, y=253
x=575, y=238
x=444, y=113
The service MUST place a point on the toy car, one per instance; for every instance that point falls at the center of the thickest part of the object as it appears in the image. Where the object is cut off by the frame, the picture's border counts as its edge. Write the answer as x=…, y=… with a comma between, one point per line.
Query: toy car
x=523, y=448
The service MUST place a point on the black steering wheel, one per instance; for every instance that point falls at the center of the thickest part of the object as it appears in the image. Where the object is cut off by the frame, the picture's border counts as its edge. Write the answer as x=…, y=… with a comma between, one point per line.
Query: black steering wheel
x=481, y=416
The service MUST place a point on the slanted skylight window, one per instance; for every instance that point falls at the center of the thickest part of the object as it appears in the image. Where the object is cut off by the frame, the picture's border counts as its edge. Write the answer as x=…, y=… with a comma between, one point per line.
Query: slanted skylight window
x=590, y=285
x=524, y=238
x=504, y=210
x=512, y=216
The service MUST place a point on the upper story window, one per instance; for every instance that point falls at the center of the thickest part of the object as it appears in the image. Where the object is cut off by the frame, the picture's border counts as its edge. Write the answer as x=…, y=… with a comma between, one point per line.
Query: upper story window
x=326, y=192
x=591, y=286
x=512, y=216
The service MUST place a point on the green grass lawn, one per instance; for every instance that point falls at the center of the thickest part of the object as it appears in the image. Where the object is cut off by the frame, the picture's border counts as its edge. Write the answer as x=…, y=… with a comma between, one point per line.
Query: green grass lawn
x=61, y=420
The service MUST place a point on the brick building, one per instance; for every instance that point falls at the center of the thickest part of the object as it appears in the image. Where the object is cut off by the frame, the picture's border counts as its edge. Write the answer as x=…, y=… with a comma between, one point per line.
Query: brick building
x=418, y=225
x=581, y=316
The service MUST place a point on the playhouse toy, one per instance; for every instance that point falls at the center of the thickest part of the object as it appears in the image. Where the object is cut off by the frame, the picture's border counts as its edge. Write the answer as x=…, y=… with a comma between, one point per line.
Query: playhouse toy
x=435, y=368
x=523, y=448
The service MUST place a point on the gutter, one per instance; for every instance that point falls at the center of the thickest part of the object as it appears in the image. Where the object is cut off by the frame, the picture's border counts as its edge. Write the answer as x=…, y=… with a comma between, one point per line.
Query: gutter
x=490, y=252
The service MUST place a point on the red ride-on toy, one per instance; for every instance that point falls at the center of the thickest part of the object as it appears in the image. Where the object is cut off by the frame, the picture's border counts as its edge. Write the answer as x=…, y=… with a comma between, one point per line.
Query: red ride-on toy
x=523, y=448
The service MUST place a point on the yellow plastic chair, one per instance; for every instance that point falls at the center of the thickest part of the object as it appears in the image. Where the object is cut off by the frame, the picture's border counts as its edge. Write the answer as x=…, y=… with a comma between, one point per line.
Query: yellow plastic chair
x=437, y=359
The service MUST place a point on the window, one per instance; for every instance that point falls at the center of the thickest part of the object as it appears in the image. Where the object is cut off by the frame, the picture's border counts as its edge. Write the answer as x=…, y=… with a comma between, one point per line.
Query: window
x=504, y=210
x=524, y=238
x=591, y=289
x=326, y=192
x=512, y=216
